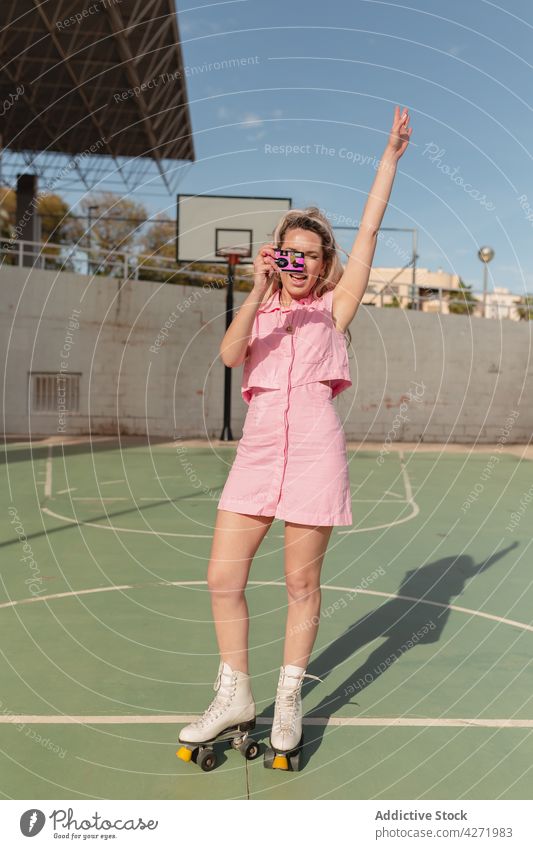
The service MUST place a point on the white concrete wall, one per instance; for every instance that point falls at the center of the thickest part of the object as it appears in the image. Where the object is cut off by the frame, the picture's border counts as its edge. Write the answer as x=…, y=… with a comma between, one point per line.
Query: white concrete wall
x=416, y=376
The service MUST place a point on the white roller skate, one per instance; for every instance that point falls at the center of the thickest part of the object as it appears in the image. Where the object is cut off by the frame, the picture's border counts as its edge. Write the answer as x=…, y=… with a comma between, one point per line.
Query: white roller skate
x=230, y=716
x=286, y=737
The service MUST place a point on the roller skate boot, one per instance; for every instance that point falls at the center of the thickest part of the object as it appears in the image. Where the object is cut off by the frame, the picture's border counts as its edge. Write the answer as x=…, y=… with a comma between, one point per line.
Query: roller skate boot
x=230, y=716
x=286, y=737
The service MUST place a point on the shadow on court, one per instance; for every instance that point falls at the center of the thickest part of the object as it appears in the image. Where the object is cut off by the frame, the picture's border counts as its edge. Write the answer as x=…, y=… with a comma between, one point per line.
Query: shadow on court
x=405, y=623
x=34, y=450
x=107, y=516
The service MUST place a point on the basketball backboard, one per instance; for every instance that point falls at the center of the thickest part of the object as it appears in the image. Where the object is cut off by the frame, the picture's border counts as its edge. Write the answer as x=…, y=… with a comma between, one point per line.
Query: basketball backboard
x=209, y=226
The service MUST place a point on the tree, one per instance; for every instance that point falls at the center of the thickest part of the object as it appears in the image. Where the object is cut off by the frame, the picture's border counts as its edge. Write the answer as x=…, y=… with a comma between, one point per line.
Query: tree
x=461, y=301
x=158, y=248
x=394, y=302
x=114, y=228
x=57, y=223
x=524, y=308
x=159, y=238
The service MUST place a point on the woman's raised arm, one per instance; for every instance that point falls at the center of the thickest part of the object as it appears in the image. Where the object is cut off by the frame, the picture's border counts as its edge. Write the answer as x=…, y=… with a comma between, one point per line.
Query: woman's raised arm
x=350, y=289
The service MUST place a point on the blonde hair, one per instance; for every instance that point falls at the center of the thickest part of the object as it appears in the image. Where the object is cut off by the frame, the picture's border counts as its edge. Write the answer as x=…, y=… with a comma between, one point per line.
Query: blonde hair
x=310, y=218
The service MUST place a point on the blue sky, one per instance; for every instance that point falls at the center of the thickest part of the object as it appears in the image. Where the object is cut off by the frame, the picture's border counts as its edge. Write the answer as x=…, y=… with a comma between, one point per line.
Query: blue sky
x=330, y=73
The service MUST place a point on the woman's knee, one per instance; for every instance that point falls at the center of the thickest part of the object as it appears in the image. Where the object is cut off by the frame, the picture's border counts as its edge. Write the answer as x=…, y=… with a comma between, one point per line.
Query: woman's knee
x=302, y=587
x=223, y=584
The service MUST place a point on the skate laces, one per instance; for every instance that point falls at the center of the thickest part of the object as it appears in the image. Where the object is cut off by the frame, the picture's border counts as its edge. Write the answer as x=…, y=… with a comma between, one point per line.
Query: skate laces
x=287, y=699
x=225, y=692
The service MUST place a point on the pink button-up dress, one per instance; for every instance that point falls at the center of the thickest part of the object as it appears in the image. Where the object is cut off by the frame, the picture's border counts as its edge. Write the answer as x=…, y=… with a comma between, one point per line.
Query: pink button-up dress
x=291, y=461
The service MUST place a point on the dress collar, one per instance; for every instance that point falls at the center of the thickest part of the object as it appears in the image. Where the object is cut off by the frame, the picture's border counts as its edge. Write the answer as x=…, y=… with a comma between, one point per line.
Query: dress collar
x=274, y=302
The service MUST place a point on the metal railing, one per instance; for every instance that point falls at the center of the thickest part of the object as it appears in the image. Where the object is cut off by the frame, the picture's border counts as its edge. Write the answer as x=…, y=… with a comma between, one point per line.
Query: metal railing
x=129, y=265
x=444, y=300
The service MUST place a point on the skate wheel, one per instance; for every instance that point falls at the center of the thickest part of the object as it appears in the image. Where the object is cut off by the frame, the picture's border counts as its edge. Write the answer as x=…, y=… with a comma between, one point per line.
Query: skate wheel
x=294, y=759
x=294, y=756
x=207, y=760
x=249, y=749
x=184, y=753
x=268, y=758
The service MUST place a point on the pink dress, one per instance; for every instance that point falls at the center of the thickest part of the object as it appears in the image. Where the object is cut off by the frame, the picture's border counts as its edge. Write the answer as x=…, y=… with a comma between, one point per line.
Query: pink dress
x=291, y=461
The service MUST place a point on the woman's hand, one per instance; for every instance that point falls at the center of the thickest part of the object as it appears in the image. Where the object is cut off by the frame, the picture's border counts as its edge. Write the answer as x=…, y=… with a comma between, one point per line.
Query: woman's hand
x=235, y=344
x=400, y=133
x=264, y=264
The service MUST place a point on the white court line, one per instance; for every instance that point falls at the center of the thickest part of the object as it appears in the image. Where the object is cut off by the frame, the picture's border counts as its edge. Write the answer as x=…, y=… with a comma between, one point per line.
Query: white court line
x=415, y=509
x=482, y=615
x=338, y=721
x=69, y=520
x=63, y=491
x=115, y=528
x=145, y=719
x=98, y=498
x=48, y=481
x=106, y=483
x=408, y=500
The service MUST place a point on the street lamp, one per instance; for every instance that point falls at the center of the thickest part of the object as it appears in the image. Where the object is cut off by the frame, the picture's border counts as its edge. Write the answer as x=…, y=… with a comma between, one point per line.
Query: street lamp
x=485, y=254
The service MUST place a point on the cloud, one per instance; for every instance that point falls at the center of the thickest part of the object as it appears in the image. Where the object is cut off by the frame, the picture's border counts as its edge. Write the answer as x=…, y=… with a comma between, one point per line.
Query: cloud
x=251, y=120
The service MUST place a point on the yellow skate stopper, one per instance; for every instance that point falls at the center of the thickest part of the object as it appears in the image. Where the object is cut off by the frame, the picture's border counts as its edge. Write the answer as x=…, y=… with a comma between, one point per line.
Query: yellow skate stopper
x=184, y=753
x=280, y=762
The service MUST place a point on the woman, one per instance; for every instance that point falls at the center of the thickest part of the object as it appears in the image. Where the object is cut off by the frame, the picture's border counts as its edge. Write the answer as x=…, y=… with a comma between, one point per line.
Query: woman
x=291, y=460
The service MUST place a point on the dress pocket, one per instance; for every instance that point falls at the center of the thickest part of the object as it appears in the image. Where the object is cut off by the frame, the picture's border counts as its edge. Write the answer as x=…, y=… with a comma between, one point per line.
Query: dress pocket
x=261, y=407
x=314, y=341
x=315, y=350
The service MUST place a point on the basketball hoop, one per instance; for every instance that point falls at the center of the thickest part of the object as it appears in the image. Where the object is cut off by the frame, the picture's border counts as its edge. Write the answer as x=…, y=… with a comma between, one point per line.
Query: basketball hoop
x=233, y=254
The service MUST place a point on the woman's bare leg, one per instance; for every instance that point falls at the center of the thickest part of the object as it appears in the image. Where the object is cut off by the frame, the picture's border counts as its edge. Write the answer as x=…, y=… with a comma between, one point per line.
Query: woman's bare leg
x=236, y=538
x=305, y=547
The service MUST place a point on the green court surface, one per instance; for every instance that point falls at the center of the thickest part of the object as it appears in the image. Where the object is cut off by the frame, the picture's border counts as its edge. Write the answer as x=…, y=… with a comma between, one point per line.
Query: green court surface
x=108, y=648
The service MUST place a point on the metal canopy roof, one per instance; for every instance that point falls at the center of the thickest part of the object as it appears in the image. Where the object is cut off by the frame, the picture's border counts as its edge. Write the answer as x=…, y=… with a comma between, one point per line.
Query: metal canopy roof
x=102, y=78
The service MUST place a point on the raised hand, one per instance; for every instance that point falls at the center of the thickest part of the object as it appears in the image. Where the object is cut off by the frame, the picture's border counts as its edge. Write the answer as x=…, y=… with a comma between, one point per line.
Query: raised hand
x=264, y=266
x=400, y=133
